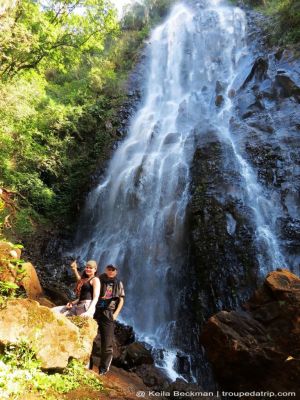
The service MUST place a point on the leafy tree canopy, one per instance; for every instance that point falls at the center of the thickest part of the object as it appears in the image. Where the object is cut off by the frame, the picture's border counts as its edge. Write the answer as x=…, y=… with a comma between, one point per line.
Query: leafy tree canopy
x=63, y=68
x=45, y=33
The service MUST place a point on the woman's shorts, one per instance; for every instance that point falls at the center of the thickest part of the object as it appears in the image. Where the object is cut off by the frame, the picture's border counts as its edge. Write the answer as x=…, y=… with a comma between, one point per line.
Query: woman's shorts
x=77, y=309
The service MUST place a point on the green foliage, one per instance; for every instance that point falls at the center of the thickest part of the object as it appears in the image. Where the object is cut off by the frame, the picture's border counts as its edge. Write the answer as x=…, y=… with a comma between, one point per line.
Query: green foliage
x=284, y=27
x=287, y=16
x=20, y=373
x=38, y=32
x=12, y=274
x=63, y=68
x=8, y=289
x=24, y=225
x=148, y=13
x=53, y=66
x=3, y=214
x=20, y=355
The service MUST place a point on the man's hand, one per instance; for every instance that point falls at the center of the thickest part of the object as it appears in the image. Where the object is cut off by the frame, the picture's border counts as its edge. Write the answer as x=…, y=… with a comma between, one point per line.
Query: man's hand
x=119, y=308
x=69, y=305
x=115, y=316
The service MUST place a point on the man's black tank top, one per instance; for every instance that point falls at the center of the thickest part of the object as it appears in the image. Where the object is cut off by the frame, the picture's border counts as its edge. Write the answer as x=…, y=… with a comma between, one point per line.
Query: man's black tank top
x=86, y=291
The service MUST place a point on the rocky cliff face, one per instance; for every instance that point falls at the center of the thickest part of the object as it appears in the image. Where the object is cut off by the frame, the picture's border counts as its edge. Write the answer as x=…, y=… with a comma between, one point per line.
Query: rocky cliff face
x=223, y=261
x=265, y=122
x=259, y=349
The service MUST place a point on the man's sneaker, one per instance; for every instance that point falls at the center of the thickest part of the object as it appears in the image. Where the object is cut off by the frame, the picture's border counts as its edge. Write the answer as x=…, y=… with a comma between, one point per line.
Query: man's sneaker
x=103, y=371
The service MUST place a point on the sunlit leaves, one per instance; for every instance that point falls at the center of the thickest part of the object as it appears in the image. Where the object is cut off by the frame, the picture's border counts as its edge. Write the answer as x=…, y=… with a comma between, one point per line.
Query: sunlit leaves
x=37, y=32
x=63, y=67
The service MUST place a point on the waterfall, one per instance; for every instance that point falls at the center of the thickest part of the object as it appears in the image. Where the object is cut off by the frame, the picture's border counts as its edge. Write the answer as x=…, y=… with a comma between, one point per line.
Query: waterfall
x=135, y=217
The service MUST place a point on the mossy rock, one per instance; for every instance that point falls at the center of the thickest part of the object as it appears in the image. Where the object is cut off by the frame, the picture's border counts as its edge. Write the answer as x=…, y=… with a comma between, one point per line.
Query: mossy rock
x=54, y=337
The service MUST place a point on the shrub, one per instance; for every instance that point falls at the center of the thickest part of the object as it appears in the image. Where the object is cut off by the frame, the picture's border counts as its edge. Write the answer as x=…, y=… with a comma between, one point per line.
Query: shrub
x=20, y=374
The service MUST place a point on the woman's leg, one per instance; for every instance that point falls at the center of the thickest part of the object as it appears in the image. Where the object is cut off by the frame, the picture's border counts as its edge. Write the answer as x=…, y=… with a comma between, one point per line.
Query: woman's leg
x=59, y=309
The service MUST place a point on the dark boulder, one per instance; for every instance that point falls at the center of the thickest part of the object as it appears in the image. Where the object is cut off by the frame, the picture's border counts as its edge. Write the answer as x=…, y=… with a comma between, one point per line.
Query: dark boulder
x=259, y=349
x=219, y=100
x=124, y=334
x=133, y=355
x=258, y=71
x=289, y=84
x=153, y=377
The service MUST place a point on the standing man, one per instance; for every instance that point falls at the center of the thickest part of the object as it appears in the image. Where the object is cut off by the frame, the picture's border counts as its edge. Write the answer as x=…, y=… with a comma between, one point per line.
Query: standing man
x=109, y=305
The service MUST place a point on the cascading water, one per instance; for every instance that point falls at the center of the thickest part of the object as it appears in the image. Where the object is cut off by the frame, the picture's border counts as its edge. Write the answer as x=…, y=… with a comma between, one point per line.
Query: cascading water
x=136, y=216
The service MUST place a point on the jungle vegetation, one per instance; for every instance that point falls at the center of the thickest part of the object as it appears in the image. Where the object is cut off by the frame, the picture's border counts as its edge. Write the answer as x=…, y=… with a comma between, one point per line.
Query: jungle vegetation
x=63, y=69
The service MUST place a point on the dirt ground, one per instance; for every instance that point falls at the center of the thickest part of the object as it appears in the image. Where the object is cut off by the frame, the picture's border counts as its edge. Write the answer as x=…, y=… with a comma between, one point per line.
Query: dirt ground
x=118, y=385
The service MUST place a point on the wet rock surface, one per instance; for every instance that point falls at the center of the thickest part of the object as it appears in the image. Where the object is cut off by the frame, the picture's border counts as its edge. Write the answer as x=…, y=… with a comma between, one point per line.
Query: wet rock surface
x=153, y=377
x=258, y=349
x=266, y=125
x=223, y=268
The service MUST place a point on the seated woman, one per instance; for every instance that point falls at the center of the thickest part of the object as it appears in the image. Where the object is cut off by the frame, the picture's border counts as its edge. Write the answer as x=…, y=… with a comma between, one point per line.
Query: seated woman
x=87, y=290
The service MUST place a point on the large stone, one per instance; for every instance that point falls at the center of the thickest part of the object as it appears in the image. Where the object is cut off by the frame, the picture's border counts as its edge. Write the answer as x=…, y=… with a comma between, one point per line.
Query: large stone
x=258, y=71
x=290, y=85
x=31, y=282
x=259, y=349
x=153, y=377
x=134, y=355
x=54, y=337
x=23, y=274
x=283, y=281
x=124, y=334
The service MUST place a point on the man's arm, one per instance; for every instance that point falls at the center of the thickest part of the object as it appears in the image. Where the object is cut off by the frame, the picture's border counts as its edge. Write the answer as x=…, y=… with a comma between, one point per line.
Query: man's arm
x=119, y=308
x=75, y=271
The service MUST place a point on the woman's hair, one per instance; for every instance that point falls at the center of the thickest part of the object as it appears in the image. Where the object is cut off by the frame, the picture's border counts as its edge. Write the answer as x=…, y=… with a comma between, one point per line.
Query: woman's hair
x=92, y=263
x=79, y=284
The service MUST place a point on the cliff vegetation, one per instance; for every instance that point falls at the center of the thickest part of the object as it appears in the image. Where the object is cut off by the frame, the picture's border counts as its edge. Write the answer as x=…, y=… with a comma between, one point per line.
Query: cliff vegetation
x=63, y=71
x=284, y=25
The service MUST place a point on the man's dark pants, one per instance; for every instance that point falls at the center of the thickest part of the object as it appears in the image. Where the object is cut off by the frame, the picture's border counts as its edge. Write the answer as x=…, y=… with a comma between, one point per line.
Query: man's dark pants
x=106, y=328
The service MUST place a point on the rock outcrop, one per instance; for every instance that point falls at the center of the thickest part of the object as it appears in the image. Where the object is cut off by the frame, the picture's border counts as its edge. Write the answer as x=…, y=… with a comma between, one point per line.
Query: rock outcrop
x=259, y=349
x=225, y=249
x=54, y=338
x=21, y=273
